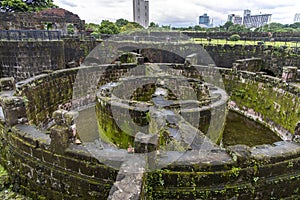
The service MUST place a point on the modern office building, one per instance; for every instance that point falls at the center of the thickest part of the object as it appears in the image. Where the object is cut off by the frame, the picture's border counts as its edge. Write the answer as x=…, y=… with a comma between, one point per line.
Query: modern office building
x=141, y=12
x=255, y=21
x=205, y=21
x=297, y=17
x=236, y=19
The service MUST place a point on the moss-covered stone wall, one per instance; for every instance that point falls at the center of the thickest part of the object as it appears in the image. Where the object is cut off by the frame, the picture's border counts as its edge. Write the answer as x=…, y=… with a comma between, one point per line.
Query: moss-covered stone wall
x=275, y=102
x=41, y=174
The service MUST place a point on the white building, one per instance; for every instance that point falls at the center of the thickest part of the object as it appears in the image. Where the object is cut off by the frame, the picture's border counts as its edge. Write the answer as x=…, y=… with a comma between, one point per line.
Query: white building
x=236, y=19
x=141, y=12
x=255, y=21
x=297, y=17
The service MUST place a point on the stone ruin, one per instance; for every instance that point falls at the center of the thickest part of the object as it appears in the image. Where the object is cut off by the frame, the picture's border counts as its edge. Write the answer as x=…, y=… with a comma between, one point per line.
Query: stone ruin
x=39, y=149
x=55, y=19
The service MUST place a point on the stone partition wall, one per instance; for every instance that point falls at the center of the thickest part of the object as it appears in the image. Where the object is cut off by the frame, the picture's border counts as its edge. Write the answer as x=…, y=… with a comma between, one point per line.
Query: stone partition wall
x=76, y=50
x=273, y=58
x=24, y=59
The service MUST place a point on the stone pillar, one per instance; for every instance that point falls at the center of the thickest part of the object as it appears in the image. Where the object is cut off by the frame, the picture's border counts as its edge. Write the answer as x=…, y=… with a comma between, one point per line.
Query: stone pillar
x=62, y=134
x=14, y=110
x=289, y=74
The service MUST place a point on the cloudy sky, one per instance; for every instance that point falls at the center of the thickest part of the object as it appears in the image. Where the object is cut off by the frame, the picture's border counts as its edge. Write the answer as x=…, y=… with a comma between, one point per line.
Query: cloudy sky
x=181, y=12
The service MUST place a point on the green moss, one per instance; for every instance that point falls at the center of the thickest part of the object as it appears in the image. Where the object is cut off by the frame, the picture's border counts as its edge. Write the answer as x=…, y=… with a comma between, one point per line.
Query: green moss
x=274, y=104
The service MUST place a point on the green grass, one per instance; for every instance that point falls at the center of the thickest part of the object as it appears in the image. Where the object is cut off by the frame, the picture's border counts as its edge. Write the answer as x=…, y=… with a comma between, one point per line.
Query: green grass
x=242, y=42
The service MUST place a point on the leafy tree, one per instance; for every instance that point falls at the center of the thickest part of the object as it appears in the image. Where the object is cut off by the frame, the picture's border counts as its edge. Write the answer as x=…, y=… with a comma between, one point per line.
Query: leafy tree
x=70, y=29
x=108, y=27
x=153, y=25
x=121, y=22
x=199, y=28
x=234, y=37
x=295, y=25
x=38, y=5
x=13, y=6
x=227, y=25
x=92, y=27
x=131, y=26
x=238, y=28
x=25, y=5
x=272, y=27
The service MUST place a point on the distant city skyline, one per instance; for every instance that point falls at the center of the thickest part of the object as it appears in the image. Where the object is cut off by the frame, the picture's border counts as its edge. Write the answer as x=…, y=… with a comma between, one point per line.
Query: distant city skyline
x=181, y=13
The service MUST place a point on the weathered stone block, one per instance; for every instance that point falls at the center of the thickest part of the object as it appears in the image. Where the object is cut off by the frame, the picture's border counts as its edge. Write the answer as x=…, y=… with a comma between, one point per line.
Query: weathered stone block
x=145, y=143
x=289, y=74
x=7, y=84
x=60, y=138
x=13, y=109
x=239, y=153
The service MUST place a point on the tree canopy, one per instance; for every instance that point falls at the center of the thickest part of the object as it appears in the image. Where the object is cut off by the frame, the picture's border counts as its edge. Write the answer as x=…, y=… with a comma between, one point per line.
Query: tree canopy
x=108, y=27
x=25, y=5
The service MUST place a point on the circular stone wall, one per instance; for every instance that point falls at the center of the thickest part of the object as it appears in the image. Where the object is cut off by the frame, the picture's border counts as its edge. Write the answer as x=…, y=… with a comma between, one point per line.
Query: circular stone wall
x=126, y=107
x=81, y=171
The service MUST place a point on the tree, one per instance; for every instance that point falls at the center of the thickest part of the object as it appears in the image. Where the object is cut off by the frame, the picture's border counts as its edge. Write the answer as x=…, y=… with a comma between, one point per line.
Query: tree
x=38, y=5
x=153, y=25
x=13, y=6
x=238, y=28
x=227, y=25
x=121, y=22
x=108, y=27
x=25, y=5
x=131, y=26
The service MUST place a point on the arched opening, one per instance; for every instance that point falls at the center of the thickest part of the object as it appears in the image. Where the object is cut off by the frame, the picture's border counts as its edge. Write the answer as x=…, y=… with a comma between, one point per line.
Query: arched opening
x=70, y=29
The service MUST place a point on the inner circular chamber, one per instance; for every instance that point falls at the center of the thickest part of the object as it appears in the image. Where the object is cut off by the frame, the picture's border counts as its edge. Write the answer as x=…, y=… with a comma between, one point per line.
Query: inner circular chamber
x=123, y=107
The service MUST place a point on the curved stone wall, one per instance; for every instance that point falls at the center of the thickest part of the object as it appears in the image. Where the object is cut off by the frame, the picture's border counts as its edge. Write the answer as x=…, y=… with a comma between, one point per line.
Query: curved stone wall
x=39, y=170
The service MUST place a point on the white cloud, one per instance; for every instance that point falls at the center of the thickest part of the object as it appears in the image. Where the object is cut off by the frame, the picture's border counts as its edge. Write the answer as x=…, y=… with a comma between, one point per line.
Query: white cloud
x=180, y=12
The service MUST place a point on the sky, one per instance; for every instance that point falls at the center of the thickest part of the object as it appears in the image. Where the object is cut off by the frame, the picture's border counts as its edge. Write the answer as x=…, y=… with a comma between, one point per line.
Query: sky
x=181, y=13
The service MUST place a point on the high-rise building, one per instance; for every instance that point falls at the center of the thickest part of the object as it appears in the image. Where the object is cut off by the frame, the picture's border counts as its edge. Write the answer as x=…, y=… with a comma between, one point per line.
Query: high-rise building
x=204, y=21
x=255, y=21
x=141, y=12
x=297, y=17
x=236, y=19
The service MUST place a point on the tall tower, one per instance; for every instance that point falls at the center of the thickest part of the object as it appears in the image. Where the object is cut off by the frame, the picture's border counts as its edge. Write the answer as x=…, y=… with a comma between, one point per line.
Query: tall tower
x=297, y=17
x=141, y=12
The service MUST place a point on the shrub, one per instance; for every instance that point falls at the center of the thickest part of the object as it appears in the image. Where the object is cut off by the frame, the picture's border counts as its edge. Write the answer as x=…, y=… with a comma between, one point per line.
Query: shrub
x=234, y=37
